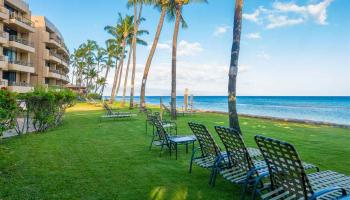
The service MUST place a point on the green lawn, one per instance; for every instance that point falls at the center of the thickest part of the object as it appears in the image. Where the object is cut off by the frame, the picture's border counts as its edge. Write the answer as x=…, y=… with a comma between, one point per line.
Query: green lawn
x=86, y=159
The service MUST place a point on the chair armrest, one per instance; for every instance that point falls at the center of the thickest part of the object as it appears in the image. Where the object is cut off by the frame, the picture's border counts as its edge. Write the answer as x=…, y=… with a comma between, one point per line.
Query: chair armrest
x=328, y=190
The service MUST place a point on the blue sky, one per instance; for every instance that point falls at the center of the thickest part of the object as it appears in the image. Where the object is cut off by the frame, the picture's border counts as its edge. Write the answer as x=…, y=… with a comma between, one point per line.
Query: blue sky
x=289, y=47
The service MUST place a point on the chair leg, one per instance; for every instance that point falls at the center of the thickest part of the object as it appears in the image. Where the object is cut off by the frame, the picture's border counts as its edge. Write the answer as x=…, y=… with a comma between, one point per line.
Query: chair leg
x=245, y=186
x=150, y=147
x=176, y=150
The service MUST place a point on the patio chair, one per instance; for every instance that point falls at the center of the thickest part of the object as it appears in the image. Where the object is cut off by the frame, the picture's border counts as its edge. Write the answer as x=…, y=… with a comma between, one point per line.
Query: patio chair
x=171, y=141
x=289, y=180
x=245, y=169
x=116, y=115
x=211, y=155
x=170, y=126
x=178, y=112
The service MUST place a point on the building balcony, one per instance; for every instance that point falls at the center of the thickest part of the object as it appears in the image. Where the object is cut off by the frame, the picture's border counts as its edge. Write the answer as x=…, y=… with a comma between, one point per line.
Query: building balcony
x=21, y=66
x=21, y=23
x=20, y=4
x=4, y=38
x=21, y=43
x=54, y=73
x=53, y=56
x=20, y=87
x=3, y=63
x=3, y=83
x=4, y=13
x=65, y=78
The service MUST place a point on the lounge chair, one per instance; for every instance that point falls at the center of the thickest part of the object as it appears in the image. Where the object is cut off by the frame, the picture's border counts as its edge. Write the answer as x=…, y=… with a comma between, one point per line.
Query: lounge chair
x=210, y=151
x=288, y=179
x=178, y=112
x=169, y=141
x=244, y=169
x=116, y=115
x=170, y=126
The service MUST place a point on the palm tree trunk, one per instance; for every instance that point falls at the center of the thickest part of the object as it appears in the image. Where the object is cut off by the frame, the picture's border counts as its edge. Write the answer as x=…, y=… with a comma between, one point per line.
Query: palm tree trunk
x=115, y=82
x=136, y=26
x=106, y=75
x=232, y=94
x=126, y=77
x=150, y=57
x=173, y=62
x=120, y=76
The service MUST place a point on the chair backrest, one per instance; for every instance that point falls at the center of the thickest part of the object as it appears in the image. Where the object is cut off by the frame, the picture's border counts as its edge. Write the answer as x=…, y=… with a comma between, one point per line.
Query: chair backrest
x=206, y=142
x=235, y=147
x=166, y=108
x=107, y=108
x=163, y=135
x=285, y=167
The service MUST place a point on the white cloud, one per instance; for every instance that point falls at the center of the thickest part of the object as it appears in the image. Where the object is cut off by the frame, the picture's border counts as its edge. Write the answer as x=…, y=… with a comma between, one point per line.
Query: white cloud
x=263, y=55
x=282, y=20
x=253, y=36
x=163, y=46
x=189, y=49
x=288, y=14
x=221, y=30
x=254, y=17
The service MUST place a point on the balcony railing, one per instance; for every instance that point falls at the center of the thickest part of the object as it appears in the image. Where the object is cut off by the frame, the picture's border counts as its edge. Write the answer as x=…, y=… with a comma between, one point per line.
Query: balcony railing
x=3, y=82
x=3, y=58
x=21, y=40
x=4, y=34
x=62, y=58
x=24, y=20
x=21, y=84
x=56, y=39
x=55, y=71
x=20, y=62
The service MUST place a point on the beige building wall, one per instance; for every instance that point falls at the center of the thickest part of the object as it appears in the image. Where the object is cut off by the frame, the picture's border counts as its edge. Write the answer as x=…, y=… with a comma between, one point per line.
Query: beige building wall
x=16, y=47
x=52, y=57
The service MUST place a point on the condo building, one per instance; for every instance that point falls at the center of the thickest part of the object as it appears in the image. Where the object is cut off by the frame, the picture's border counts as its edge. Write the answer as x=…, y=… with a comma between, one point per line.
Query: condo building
x=16, y=47
x=32, y=50
x=51, y=59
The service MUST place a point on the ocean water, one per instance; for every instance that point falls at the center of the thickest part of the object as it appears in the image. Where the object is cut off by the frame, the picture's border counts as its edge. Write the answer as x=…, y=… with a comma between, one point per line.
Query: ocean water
x=323, y=109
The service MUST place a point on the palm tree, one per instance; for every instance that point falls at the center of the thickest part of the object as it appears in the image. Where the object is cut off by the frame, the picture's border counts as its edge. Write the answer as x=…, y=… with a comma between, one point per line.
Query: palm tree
x=130, y=41
x=137, y=17
x=164, y=6
x=100, y=58
x=232, y=95
x=74, y=63
x=113, y=51
x=121, y=32
x=178, y=13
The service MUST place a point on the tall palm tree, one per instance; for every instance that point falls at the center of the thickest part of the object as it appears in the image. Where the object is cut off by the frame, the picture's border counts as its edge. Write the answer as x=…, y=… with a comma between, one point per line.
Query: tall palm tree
x=139, y=41
x=121, y=32
x=113, y=52
x=232, y=95
x=163, y=5
x=137, y=17
x=178, y=6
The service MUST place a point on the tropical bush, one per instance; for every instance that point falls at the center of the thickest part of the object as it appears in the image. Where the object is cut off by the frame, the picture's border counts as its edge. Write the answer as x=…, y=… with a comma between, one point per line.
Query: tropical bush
x=94, y=96
x=8, y=110
x=47, y=107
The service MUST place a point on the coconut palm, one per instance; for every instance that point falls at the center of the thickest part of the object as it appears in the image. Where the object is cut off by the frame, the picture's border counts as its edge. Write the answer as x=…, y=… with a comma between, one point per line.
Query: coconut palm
x=101, y=57
x=178, y=4
x=139, y=41
x=232, y=95
x=113, y=52
x=164, y=6
x=121, y=32
x=137, y=17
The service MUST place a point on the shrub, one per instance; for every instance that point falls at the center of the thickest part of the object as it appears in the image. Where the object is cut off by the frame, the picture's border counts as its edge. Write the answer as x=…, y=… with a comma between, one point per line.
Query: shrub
x=94, y=96
x=46, y=107
x=8, y=110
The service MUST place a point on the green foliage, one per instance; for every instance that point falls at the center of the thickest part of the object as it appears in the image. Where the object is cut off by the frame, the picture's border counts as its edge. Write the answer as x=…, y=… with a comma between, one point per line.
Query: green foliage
x=47, y=107
x=94, y=96
x=8, y=110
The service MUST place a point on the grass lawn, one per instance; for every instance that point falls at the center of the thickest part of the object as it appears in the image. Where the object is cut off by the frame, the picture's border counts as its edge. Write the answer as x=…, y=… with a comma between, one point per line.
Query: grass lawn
x=86, y=159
